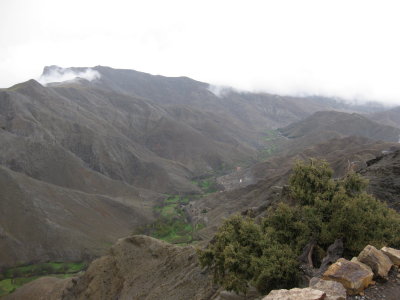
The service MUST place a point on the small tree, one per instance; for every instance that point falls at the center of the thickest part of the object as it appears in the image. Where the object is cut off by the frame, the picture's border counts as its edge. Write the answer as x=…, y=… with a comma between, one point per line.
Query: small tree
x=230, y=254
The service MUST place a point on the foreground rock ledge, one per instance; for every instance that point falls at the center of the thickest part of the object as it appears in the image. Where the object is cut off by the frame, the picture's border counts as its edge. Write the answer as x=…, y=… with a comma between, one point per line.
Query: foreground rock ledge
x=353, y=277
x=377, y=260
x=298, y=294
x=334, y=290
x=393, y=254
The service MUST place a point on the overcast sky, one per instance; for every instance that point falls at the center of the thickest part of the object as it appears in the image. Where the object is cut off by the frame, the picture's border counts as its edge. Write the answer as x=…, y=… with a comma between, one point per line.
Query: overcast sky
x=348, y=49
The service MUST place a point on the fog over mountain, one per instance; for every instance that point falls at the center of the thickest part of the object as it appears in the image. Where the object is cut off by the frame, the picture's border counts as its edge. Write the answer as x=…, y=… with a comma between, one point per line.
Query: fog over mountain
x=280, y=47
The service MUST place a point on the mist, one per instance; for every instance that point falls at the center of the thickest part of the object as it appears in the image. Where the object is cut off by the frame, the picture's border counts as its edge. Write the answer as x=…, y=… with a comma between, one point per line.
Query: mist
x=58, y=74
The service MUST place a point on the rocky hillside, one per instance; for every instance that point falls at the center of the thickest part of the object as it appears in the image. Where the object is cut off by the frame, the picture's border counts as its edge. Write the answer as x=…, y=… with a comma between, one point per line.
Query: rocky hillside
x=326, y=125
x=255, y=188
x=83, y=162
x=390, y=117
x=137, y=267
x=383, y=173
x=140, y=267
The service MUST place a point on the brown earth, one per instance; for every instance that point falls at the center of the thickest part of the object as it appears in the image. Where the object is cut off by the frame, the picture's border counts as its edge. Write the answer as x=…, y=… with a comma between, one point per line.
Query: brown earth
x=137, y=267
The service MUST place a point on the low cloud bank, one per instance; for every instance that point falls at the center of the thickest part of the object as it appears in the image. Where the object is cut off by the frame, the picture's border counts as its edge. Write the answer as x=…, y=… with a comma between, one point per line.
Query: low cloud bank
x=58, y=74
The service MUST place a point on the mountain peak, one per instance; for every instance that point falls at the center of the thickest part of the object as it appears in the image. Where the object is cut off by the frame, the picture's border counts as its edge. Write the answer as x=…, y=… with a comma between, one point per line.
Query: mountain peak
x=30, y=84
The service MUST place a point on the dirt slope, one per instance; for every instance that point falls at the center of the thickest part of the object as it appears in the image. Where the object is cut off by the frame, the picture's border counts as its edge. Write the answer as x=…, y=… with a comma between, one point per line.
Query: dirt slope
x=137, y=267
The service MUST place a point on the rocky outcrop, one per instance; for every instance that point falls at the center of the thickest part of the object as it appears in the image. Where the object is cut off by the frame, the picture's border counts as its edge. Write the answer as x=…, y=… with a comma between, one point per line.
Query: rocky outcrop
x=393, y=254
x=334, y=290
x=140, y=267
x=298, y=294
x=45, y=288
x=377, y=260
x=137, y=267
x=353, y=277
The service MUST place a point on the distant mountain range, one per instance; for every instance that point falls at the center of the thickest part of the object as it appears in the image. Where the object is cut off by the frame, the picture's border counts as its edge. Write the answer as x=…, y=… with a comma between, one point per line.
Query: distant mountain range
x=85, y=161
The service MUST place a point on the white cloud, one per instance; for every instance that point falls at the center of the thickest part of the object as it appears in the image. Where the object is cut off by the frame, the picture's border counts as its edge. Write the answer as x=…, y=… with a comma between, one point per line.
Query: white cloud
x=58, y=74
x=342, y=48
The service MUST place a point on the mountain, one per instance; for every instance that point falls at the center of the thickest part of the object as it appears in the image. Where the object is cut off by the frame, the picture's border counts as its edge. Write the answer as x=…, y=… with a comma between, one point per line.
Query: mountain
x=86, y=160
x=140, y=267
x=340, y=123
x=252, y=190
x=257, y=111
x=347, y=141
x=390, y=117
x=325, y=125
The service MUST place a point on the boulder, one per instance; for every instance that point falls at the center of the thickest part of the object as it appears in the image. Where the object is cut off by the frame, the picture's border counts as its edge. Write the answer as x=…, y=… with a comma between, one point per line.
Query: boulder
x=334, y=290
x=393, y=254
x=364, y=266
x=298, y=294
x=377, y=260
x=353, y=277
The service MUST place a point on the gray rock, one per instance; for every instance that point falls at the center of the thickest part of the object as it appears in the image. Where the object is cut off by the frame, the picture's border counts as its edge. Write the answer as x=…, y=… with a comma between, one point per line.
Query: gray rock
x=334, y=290
x=298, y=294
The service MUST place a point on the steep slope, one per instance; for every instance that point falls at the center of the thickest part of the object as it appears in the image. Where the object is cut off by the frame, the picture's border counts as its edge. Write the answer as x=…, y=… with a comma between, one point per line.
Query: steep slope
x=383, y=173
x=325, y=125
x=343, y=124
x=389, y=117
x=45, y=222
x=41, y=116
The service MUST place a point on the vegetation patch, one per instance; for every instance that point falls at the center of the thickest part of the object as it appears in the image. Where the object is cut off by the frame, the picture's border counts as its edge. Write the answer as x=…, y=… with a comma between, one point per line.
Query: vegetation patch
x=207, y=185
x=15, y=277
x=271, y=135
x=271, y=139
x=172, y=225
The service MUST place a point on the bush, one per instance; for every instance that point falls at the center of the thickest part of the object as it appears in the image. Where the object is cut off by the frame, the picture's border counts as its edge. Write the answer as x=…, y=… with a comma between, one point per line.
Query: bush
x=241, y=254
x=265, y=255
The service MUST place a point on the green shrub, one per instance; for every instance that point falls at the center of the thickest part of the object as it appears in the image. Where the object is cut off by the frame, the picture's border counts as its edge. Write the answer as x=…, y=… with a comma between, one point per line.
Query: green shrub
x=265, y=255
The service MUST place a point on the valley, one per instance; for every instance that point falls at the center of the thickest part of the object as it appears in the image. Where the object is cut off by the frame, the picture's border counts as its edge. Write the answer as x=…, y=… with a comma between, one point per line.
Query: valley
x=86, y=164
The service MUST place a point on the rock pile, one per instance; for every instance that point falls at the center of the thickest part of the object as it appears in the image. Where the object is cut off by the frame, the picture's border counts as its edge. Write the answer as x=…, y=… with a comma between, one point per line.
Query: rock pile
x=345, y=277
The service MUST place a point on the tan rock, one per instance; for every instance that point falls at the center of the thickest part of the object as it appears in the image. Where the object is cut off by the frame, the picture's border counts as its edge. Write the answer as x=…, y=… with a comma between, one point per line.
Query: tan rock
x=334, y=290
x=377, y=260
x=393, y=254
x=364, y=266
x=296, y=294
x=353, y=277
